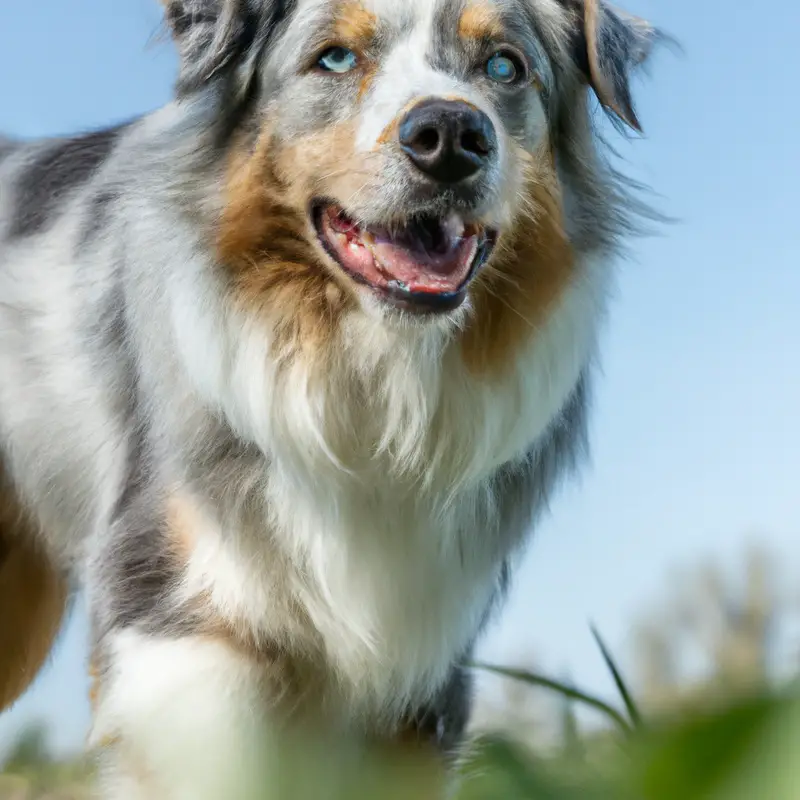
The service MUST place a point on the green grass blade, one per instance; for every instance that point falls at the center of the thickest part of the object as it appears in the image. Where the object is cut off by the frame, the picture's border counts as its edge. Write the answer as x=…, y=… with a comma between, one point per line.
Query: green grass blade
x=560, y=688
x=633, y=710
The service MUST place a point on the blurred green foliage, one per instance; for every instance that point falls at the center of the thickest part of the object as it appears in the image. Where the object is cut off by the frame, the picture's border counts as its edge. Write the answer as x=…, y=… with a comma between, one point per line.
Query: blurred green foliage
x=747, y=751
x=729, y=735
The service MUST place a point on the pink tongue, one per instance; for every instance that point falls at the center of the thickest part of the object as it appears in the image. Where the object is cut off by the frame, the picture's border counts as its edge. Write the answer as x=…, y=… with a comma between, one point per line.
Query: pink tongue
x=421, y=270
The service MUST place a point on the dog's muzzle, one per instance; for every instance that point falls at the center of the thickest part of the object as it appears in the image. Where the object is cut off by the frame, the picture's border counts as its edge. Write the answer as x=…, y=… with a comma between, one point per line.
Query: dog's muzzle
x=424, y=256
x=448, y=141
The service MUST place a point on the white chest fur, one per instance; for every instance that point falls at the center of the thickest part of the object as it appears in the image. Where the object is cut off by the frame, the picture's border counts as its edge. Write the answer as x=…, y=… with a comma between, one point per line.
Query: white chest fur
x=376, y=540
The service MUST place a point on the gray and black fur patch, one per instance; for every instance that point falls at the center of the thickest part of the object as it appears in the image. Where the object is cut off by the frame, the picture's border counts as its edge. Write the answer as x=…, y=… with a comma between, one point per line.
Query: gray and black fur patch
x=139, y=574
x=7, y=146
x=443, y=722
x=213, y=37
x=96, y=216
x=59, y=169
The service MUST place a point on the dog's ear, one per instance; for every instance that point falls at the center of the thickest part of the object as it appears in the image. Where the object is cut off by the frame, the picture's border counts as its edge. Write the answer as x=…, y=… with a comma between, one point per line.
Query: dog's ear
x=610, y=43
x=211, y=35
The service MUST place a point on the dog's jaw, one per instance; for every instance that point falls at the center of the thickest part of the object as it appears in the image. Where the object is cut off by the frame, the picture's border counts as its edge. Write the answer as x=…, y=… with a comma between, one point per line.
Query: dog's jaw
x=423, y=267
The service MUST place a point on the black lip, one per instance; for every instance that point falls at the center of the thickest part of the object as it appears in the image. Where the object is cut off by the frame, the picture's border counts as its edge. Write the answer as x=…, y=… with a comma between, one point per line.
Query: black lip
x=398, y=295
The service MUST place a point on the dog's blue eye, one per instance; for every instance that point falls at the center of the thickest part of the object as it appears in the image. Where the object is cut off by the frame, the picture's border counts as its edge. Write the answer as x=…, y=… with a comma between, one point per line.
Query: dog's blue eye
x=338, y=59
x=502, y=68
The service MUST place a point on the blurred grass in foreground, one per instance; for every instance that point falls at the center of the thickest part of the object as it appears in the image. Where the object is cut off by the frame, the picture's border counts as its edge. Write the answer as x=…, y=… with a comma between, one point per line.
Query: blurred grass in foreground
x=747, y=750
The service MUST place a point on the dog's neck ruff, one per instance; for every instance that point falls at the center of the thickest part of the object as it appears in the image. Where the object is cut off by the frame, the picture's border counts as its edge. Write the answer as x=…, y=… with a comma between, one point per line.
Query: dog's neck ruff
x=382, y=492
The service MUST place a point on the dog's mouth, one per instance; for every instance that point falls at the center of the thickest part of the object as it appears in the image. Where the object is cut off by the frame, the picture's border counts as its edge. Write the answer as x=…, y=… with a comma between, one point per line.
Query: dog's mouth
x=424, y=265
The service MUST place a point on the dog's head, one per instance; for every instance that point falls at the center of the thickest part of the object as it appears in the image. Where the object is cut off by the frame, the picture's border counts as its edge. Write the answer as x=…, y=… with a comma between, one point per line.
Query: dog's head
x=400, y=155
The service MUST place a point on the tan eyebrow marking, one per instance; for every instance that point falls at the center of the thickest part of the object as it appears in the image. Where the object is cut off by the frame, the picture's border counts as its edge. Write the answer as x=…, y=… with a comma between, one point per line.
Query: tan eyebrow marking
x=355, y=24
x=480, y=21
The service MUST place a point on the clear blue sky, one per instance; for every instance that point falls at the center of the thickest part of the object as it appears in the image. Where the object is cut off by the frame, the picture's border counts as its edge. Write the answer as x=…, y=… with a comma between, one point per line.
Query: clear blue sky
x=696, y=430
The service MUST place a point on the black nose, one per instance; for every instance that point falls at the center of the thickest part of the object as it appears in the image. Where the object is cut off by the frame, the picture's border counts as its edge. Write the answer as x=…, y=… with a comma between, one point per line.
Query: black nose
x=448, y=140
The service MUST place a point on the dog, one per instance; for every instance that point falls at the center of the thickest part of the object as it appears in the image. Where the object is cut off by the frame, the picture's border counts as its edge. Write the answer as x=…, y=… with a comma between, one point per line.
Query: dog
x=290, y=367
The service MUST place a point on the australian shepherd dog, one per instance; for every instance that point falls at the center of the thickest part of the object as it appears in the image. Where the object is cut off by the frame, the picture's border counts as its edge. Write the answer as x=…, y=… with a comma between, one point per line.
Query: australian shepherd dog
x=289, y=367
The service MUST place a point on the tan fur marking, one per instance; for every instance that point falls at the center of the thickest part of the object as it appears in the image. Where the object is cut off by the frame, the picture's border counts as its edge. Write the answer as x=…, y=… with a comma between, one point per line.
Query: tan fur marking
x=390, y=132
x=182, y=522
x=33, y=597
x=603, y=87
x=288, y=677
x=530, y=272
x=333, y=294
x=266, y=242
x=355, y=25
x=95, y=692
x=94, y=684
x=480, y=21
x=365, y=84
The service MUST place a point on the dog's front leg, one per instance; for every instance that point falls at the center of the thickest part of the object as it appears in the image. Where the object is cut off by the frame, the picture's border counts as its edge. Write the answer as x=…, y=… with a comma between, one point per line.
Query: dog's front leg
x=196, y=718
x=182, y=719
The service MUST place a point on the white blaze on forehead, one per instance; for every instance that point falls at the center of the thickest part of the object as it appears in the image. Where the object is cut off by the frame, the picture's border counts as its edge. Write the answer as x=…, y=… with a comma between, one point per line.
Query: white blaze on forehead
x=406, y=74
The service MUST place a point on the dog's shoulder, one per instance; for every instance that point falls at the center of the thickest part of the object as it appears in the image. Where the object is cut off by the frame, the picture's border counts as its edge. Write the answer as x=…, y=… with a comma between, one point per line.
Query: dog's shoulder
x=41, y=175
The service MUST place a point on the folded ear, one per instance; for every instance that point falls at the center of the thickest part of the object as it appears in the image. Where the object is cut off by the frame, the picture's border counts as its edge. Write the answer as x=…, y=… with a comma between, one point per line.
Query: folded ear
x=611, y=44
x=210, y=35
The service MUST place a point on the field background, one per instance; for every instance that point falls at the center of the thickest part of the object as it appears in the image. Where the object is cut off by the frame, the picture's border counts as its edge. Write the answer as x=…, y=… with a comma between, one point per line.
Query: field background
x=707, y=713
